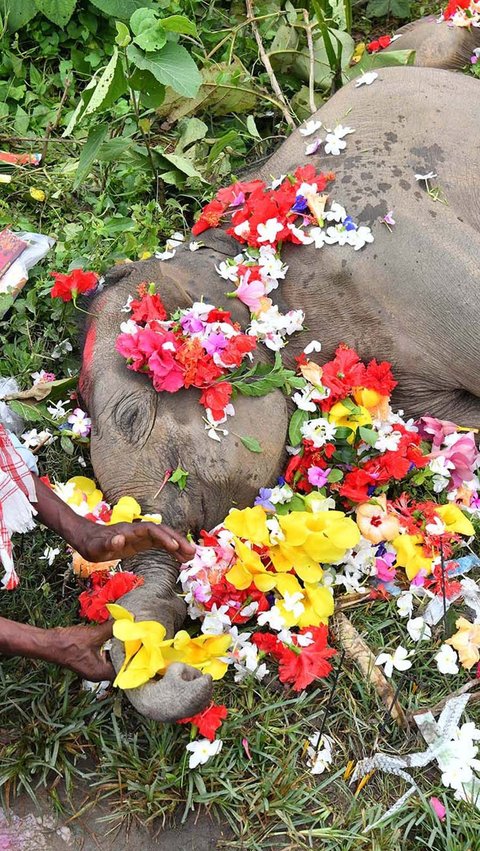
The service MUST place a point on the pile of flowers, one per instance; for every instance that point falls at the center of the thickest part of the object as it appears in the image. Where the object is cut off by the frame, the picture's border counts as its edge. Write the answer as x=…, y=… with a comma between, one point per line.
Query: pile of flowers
x=462, y=13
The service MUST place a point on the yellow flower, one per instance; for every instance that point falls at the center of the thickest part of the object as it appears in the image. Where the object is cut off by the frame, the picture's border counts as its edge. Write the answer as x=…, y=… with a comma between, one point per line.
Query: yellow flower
x=454, y=519
x=376, y=404
x=126, y=510
x=37, y=194
x=312, y=372
x=317, y=602
x=250, y=523
x=466, y=642
x=343, y=416
x=410, y=555
x=202, y=652
x=311, y=539
x=85, y=490
x=144, y=647
x=248, y=568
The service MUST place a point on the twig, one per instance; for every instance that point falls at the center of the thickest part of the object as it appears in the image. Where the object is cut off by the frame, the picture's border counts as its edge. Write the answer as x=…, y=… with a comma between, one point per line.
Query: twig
x=52, y=127
x=266, y=61
x=311, y=72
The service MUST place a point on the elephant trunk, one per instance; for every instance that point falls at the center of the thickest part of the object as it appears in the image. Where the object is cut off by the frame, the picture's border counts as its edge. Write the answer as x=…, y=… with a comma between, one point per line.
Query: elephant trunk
x=182, y=691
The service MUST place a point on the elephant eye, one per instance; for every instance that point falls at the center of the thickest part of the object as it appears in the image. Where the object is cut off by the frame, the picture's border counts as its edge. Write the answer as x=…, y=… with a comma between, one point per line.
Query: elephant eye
x=133, y=416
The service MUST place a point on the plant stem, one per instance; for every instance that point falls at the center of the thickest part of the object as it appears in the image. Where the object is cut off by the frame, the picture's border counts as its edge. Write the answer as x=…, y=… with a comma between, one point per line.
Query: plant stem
x=311, y=72
x=266, y=61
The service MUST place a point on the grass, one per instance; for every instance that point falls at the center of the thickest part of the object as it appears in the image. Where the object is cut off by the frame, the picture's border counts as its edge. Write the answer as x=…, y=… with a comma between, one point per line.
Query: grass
x=51, y=730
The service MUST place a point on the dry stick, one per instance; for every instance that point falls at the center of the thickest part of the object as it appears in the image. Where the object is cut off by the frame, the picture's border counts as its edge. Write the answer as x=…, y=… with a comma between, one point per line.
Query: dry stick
x=52, y=127
x=311, y=53
x=266, y=61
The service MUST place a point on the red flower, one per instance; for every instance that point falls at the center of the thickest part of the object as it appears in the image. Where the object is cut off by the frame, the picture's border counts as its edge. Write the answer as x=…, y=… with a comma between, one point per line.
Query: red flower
x=356, y=484
x=452, y=7
x=68, y=287
x=223, y=593
x=105, y=589
x=341, y=375
x=378, y=376
x=210, y=217
x=148, y=308
x=229, y=194
x=383, y=41
x=207, y=721
x=236, y=350
x=217, y=315
x=267, y=642
x=303, y=665
x=217, y=398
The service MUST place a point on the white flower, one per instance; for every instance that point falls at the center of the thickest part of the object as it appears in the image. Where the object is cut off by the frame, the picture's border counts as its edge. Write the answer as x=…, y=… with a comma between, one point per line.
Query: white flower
x=57, y=411
x=314, y=346
x=301, y=235
x=418, y=630
x=65, y=490
x=165, y=255
x=313, y=147
x=40, y=376
x=336, y=213
x=336, y=234
x=49, y=554
x=428, y=176
x=310, y=128
x=388, y=440
x=319, y=753
x=293, y=603
x=267, y=231
x=201, y=750
x=62, y=349
x=456, y=774
x=281, y=495
x=216, y=620
x=441, y=466
x=319, y=431
x=274, y=530
x=340, y=131
x=126, y=307
x=33, y=438
x=440, y=483
x=436, y=527
x=399, y=660
x=279, y=180
x=80, y=424
x=359, y=237
x=273, y=618
x=367, y=78
x=319, y=237
x=129, y=327
x=227, y=271
x=194, y=246
x=446, y=660
x=333, y=145
x=303, y=399
x=405, y=604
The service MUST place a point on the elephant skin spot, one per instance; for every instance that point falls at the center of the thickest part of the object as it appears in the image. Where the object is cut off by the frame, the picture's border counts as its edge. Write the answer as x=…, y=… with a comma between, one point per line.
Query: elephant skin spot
x=405, y=185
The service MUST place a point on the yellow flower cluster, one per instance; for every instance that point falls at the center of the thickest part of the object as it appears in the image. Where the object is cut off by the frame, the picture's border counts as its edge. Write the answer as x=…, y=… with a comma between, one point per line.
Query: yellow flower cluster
x=82, y=494
x=409, y=548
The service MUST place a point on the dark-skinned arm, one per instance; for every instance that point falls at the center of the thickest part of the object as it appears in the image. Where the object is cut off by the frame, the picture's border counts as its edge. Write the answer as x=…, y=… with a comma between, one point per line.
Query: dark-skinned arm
x=96, y=542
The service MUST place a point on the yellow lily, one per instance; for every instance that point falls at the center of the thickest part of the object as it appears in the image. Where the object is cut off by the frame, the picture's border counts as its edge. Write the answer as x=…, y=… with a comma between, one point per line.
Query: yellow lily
x=454, y=519
x=344, y=417
x=202, y=652
x=376, y=404
x=311, y=539
x=250, y=523
x=410, y=555
x=317, y=601
x=144, y=647
x=248, y=568
x=126, y=510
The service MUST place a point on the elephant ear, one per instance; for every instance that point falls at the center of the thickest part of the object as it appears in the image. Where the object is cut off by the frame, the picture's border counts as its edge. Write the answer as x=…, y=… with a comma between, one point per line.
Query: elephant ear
x=182, y=691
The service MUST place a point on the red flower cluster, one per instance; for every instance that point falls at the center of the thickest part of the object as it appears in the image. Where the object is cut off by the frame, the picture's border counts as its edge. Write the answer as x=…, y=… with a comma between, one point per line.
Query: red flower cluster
x=223, y=593
x=380, y=43
x=257, y=205
x=207, y=721
x=185, y=351
x=346, y=372
x=105, y=588
x=299, y=666
x=68, y=287
x=452, y=7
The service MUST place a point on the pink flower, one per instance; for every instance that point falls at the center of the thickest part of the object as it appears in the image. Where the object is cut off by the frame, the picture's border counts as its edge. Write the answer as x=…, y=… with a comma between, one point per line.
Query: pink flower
x=463, y=455
x=438, y=808
x=435, y=430
x=165, y=371
x=250, y=292
x=384, y=566
x=128, y=346
x=318, y=477
x=419, y=579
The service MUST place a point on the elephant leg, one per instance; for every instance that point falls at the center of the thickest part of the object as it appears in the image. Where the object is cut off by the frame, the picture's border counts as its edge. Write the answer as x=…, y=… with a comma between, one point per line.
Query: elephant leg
x=182, y=691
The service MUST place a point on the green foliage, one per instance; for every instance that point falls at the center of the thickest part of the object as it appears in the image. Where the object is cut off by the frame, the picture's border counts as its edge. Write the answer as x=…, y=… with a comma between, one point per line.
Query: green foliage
x=179, y=477
x=391, y=8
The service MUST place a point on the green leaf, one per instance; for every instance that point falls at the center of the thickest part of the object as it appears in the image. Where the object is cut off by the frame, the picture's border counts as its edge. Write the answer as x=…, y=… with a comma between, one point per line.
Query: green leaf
x=89, y=152
x=252, y=127
x=173, y=66
x=252, y=444
x=123, y=34
x=297, y=419
x=179, y=477
x=368, y=435
x=85, y=99
x=122, y=9
x=335, y=475
x=19, y=12
x=111, y=85
x=21, y=121
x=192, y=131
x=57, y=11
x=142, y=19
x=392, y=8
x=220, y=144
x=152, y=92
x=29, y=413
x=152, y=39
x=179, y=24
x=342, y=432
x=182, y=164
x=67, y=444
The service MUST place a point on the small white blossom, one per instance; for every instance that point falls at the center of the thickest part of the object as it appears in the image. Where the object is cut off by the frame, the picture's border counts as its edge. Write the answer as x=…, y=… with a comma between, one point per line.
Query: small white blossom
x=33, y=438
x=194, y=246
x=58, y=411
x=269, y=230
x=367, y=78
x=319, y=431
x=405, y=604
x=399, y=660
x=127, y=306
x=216, y=621
x=310, y=128
x=49, y=555
x=429, y=176
x=129, y=327
x=418, y=630
x=62, y=349
x=446, y=660
x=319, y=753
x=359, y=237
x=201, y=750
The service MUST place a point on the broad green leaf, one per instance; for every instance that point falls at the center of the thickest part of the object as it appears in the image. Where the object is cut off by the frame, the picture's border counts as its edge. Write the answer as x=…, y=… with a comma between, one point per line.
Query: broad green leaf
x=89, y=152
x=392, y=8
x=297, y=419
x=173, y=66
x=123, y=34
x=179, y=24
x=225, y=89
x=6, y=302
x=57, y=11
x=220, y=144
x=252, y=444
x=152, y=39
x=335, y=475
x=114, y=149
x=19, y=12
x=111, y=85
x=84, y=100
x=252, y=127
x=179, y=477
x=337, y=39
x=29, y=413
x=183, y=164
x=122, y=9
x=21, y=121
x=383, y=59
x=67, y=444
x=342, y=433
x=152, y=93
x=192, y=131
x=142, y=19
x=368, y=435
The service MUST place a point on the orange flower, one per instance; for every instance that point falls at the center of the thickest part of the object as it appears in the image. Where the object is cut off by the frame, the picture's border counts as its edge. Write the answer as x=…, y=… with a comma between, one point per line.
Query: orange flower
x=374, y=521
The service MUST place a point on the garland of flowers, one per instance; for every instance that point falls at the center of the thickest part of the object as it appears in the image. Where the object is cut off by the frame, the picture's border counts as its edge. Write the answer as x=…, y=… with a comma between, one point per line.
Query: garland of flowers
x=462, y=13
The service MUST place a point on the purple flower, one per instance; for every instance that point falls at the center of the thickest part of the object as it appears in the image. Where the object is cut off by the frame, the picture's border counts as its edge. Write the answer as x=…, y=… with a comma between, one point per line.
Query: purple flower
x=318, y=477
x=191, y=324
x=301, y=205
x=349, y=224
x=388, y=219
x=215, y=343
x=263, y=499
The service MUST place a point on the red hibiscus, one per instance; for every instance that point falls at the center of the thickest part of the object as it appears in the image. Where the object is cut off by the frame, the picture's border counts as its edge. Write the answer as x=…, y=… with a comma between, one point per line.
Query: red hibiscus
x=165, y=371
x=105, y=588
x=378, y=376
x=302, y=666
x=267, y=642
x=229, y=194
x=68, y=287
x=341, y=375
x=452, y=7
x=223, y=593
x=382, y=42
x=148, y=308
x=210, y=217
x=356, y=484
x=236, y=350
x=217, y=398
x=207, y=721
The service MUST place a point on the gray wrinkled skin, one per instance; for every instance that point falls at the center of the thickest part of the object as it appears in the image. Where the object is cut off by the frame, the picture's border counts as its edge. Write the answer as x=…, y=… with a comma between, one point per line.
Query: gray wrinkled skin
x=411, y=297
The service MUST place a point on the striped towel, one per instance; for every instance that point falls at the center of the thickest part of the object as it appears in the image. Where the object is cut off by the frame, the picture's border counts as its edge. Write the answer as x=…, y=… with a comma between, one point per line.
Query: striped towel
x=17, y=492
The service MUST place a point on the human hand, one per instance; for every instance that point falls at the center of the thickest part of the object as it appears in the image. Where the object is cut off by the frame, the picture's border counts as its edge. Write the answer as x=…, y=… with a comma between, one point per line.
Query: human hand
x=99, y=543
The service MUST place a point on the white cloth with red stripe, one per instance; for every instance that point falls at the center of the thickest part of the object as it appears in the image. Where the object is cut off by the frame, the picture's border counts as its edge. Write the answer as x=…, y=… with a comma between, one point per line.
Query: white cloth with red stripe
x=17, y=493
